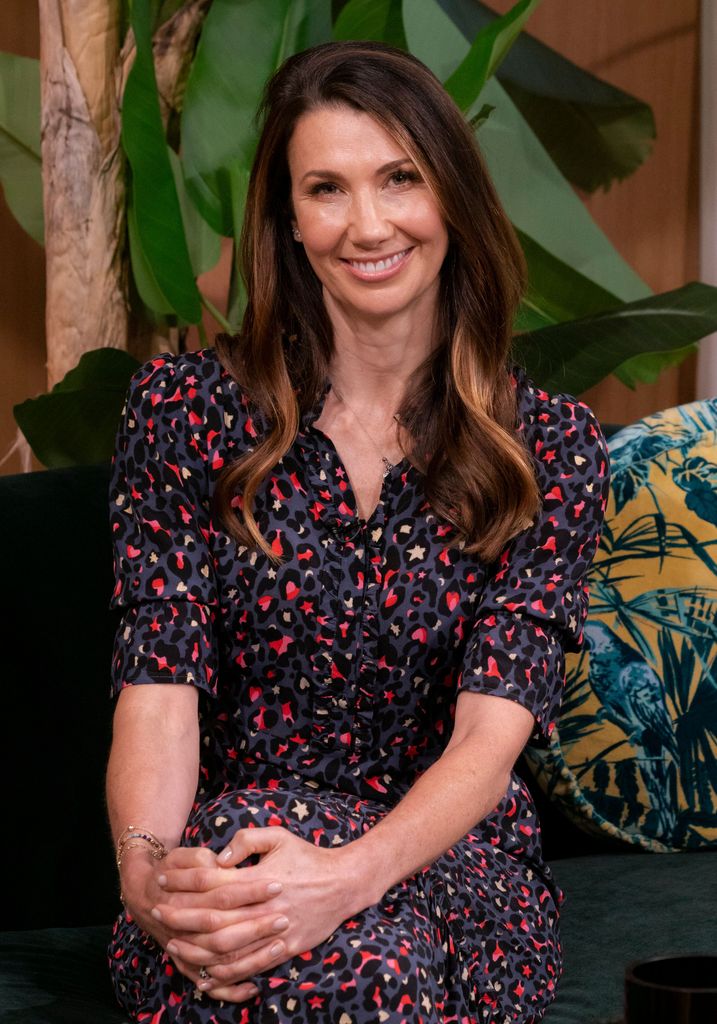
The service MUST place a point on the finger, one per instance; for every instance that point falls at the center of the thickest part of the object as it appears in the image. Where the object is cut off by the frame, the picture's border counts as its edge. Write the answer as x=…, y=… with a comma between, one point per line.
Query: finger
x=197, y=879
x=190, y=856
x=222, y=947
x=233, y=993
x=208, y=919
x=200, y=913
x=248, y=841
x=262, y=959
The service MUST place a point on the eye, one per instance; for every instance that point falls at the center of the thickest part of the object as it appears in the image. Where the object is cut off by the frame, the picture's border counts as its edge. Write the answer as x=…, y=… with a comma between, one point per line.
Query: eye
x=323, y=188
x=404, y=177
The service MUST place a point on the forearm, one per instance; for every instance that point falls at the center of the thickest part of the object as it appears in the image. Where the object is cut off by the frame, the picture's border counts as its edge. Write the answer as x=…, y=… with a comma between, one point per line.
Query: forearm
x=442, y=806
x=463, y=786
x=154, y=760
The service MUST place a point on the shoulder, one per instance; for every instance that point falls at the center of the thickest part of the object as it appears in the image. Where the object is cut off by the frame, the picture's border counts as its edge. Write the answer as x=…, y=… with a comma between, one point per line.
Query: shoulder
x=192, y=395
x=194, y=381
x=186, y=374
x=561, y=432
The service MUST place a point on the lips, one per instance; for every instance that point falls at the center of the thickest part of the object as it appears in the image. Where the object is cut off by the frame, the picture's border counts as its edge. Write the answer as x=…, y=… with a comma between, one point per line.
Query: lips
x=378, y=268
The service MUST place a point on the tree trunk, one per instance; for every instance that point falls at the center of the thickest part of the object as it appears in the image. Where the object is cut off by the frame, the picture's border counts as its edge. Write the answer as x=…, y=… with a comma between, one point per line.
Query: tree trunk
x=83, y=172
x=83, y=74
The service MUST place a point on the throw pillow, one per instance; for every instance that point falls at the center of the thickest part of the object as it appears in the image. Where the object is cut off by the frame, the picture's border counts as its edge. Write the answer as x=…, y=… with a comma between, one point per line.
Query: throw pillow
x=634, y=754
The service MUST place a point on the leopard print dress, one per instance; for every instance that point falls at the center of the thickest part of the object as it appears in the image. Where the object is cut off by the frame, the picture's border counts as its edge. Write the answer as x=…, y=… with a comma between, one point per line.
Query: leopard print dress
x=328, y=684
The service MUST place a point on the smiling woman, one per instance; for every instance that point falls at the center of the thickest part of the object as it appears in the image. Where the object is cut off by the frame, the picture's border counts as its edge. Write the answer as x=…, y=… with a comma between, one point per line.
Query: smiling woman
x=359, y=536
x=369, y=219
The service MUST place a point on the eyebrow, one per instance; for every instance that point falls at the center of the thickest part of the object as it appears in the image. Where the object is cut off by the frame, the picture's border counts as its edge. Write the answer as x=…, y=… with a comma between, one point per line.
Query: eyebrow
x=392, y=166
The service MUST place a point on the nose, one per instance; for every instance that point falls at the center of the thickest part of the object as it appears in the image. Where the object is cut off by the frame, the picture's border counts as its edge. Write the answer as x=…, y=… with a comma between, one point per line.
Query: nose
x=368, y=223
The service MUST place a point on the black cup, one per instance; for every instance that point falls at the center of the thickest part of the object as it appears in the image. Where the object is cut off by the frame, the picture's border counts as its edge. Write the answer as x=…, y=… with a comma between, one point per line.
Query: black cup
x=672, y=990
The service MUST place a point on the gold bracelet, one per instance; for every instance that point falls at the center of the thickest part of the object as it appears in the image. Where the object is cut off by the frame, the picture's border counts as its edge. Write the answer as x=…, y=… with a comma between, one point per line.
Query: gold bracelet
x=133, y=835
x=140, y=841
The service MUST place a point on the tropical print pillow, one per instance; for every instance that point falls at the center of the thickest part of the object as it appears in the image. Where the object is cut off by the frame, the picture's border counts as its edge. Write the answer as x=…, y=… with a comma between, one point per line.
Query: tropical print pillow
x=635, y=752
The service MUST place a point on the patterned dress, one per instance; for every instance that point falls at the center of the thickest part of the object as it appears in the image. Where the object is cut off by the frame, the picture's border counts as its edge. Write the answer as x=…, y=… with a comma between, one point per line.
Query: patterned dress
x=328, y=685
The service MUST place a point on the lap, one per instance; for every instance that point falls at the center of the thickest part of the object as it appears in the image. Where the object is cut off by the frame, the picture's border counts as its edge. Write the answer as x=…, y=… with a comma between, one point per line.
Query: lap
x=472, y=936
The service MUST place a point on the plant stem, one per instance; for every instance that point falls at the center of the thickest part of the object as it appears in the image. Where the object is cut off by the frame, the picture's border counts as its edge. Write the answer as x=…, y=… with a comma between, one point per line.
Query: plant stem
x=219, y=317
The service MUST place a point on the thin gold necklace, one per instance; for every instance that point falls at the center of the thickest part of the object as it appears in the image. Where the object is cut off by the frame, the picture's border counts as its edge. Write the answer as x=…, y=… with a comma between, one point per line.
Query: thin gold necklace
x=386, y=461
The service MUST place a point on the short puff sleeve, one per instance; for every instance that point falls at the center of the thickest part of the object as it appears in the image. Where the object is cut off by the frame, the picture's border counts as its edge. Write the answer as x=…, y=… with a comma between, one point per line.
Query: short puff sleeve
x=535, y=601
x=160, y=522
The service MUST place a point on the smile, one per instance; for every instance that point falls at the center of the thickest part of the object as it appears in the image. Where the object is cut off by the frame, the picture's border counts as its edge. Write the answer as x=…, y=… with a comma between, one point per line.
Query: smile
x=378, y=269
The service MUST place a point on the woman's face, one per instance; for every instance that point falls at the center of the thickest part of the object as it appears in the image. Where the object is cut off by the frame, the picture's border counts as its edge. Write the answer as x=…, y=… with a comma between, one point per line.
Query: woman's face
x=369, y=224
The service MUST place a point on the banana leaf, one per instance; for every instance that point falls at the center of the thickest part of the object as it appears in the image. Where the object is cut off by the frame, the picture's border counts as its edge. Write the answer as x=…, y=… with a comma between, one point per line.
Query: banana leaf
x=537, y=198
x=20, y=159
x=488, y=50
x=595, y=132
x=574, y=356
x=153, y=195
x=75, y=424
x=379, y=20
x=242, y=43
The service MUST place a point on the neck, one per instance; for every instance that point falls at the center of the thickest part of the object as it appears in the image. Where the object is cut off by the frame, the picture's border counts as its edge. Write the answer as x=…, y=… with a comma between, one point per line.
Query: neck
x=373, y=360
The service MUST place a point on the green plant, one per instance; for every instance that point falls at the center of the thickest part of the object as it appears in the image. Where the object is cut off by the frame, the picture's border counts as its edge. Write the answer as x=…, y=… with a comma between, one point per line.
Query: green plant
x=543, y=124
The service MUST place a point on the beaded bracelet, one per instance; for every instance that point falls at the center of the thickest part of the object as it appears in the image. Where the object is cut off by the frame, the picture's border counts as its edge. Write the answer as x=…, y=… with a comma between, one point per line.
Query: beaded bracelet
x=135, y=835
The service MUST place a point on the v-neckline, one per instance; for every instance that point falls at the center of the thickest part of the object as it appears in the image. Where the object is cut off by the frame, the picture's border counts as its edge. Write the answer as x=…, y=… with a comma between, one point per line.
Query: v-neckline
x=308, y=427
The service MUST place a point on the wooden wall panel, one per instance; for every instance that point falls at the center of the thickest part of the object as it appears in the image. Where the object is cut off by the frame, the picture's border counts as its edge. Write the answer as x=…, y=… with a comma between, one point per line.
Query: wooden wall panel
x=650, y=49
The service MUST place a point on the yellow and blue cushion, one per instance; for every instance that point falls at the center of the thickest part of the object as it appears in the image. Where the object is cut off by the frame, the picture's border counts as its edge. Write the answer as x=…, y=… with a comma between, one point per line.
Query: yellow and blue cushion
x=635, y=751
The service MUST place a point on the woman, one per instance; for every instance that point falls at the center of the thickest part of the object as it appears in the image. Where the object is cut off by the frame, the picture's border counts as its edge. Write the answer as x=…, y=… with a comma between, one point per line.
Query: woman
x=359, y=539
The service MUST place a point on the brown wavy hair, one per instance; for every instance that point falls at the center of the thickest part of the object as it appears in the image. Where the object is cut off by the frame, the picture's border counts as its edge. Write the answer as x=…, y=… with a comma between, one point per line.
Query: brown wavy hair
x=459, y=414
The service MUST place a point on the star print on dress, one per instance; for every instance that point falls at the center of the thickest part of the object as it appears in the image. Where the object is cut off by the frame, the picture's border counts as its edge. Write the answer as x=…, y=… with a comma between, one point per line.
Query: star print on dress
x=328, y=685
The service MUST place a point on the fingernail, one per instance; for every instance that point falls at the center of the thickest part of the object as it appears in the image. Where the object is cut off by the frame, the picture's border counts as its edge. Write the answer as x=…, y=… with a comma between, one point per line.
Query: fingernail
x=162, y=880
x=225, y=855
x=274, y=887
x=277, y=948
x=172, y=947
x=204, y=985
x=156, y=914
x=280, y=923
x=253, y=991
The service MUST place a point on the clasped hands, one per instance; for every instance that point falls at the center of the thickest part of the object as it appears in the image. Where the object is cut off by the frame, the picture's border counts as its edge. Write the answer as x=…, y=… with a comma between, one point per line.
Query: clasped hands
x=239, y=921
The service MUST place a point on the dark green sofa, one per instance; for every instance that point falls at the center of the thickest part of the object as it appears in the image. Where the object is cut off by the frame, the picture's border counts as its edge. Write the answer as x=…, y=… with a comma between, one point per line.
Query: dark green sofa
x=60, y=893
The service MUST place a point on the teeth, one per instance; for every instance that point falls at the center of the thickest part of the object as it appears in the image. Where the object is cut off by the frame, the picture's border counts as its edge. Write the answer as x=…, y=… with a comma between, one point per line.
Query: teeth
x=376, y=268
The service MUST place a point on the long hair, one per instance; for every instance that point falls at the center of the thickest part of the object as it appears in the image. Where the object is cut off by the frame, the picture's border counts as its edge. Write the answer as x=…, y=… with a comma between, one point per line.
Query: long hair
x=459, y=413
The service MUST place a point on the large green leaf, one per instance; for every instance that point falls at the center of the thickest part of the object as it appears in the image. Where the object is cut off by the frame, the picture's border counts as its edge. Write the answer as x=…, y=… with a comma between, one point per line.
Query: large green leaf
x=556, y=291
x=242, y=43
x=538, y=199
x=75, y=424
x=488, y=50
x=595, y=133
x=146, y=283
x=20, y=159
x=576, y=355
x=158, y=218
x=379, y=20
x=203, y=242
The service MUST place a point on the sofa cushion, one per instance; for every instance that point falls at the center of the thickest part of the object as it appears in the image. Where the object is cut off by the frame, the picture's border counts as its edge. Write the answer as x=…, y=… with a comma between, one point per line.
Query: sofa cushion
x=625, y=907
x=618, y=908
x=55, y=586
x=57, y=976
x=634, y=752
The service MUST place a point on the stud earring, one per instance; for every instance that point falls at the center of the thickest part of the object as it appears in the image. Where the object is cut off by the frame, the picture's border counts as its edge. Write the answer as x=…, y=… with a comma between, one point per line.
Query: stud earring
x=297, y=234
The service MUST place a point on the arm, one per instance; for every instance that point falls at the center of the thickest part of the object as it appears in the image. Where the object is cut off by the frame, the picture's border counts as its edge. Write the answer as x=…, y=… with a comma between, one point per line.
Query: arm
x=324, y=887
x=151, y=779
x=459, y=789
